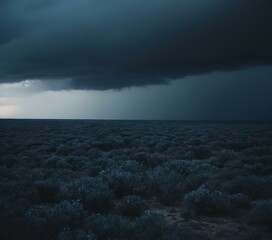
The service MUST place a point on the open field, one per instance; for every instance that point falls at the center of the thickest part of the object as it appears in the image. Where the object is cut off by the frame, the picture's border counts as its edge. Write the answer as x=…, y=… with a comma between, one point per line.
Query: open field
x=79, y=180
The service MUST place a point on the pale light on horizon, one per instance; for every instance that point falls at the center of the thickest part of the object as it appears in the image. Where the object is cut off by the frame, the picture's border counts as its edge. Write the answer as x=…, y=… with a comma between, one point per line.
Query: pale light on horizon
x=8, y=111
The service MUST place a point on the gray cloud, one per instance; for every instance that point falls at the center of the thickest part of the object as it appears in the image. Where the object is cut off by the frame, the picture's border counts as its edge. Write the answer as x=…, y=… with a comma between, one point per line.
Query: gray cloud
x=93, y=44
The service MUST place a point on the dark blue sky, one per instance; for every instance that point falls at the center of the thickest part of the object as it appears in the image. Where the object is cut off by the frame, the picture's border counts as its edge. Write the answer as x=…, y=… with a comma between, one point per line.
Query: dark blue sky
x=163, y=59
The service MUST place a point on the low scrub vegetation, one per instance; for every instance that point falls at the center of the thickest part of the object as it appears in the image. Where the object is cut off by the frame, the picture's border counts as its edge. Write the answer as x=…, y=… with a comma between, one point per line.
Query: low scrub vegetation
x=86, y=180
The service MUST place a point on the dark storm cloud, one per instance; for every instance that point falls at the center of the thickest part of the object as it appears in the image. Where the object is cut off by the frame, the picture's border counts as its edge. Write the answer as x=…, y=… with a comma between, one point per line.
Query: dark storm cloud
x=94, y=44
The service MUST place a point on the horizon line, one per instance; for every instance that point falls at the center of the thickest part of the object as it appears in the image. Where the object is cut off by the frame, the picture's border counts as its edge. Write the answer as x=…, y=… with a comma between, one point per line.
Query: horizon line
x=129, y=119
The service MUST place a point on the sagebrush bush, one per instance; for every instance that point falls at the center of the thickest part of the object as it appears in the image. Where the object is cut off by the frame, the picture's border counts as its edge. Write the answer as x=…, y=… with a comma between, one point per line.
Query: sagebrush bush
x=47, y=191
x=131, y=206
x=94, y=194
x=44, y=222
x=50, y=162
x=109, y=226
x=251, y=186
x=12, y=222
x=193, y=182
x=109, y=144
x=262, y=213
x=63, y=150
x=123, y=182
x=239, y=201
x=215, y=203
x=120, y=154
x=131, y=166
x=204, y=202
x=150, y=226
x=94, y=153
x=224, y=156
x=180, y=166
x=149, y=159
x=202, y=152
x=165, y=184
x=94, y=167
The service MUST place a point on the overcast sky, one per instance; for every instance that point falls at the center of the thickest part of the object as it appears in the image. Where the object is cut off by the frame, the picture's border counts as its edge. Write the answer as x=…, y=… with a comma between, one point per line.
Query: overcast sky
x=136, y=59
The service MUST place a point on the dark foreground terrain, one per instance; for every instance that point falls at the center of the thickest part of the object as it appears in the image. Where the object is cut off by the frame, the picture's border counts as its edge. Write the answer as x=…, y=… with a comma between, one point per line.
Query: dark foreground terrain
x=79, y=180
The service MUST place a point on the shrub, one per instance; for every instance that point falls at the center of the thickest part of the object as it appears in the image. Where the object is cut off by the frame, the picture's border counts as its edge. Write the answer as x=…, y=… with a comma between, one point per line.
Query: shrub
x=83, y=145
x=202, y=152
x=131, y=206
x=109, y=226
x=240, y=201
x=194, y=181
x=94, y=194
x=153, y=226
x=262, y=213
x=150, y=226
x=181, y=231
x=12, y=223
x=224, y=156
x=63, y=150
x=47, y=191
x=251, y=186
x=50, y=162
x=23, y=189
x=149, y=160
x=131, y=166
x=44, y=222
x=77, y=162
x=180, y=166
x=94, y=153
x=95, y=166
x=109, y=144
x=9, y=160
x=204, y=202
x=166, y=185
x=119, y=154
x=123, y=182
